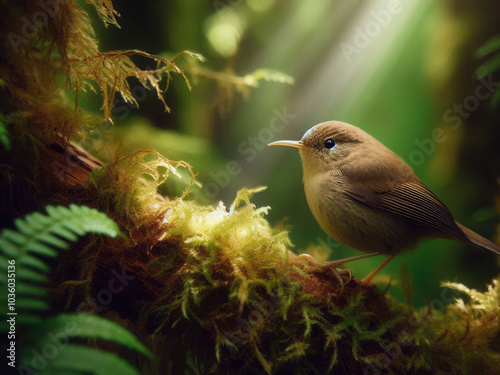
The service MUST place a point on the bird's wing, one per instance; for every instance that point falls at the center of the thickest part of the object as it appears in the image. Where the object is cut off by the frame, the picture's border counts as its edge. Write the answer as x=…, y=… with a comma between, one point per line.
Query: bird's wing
x=406, y=197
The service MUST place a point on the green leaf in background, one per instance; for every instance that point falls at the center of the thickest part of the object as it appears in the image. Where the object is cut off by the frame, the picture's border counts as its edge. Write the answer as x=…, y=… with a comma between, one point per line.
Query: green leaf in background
x=78, y=359
x=90, y=326
x=492, y=45
x=4, y=135
x=37, y=237
x=491, y=65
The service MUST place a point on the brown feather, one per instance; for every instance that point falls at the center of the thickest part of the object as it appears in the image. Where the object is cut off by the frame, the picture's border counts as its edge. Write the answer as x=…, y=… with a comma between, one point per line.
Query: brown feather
x=412, y=202
x=399, y=192
x=478, y=240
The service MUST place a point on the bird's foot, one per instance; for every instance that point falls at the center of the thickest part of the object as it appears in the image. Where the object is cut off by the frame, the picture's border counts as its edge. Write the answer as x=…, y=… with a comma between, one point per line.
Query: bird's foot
x=334, y=263
x=367, y=280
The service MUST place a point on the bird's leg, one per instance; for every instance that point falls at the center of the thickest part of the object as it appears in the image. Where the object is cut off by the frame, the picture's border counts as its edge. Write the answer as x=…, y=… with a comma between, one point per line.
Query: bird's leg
x=335, y=263
x=367, y=280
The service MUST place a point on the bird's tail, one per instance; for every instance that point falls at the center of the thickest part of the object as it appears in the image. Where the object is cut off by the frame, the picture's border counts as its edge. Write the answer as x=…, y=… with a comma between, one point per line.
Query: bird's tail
x=478, y=240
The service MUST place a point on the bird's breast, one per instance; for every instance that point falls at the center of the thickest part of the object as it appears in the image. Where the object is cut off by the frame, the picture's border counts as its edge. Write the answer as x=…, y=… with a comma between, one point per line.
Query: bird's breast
x=352, y=223
x=329, y=206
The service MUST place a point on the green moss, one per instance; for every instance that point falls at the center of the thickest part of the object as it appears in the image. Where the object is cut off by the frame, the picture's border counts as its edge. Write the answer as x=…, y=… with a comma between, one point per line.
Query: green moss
x=216, y=289
x=267, y=313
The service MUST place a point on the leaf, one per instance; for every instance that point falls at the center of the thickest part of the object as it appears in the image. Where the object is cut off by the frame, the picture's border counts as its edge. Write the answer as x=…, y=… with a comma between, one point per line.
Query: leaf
x=90, y=326
x=33, y=262
x=30, y=289
x=8, y=248
x=495, y=99
x=31, y=304
x=50, y=239
x=31, y=275
x=490, y=46
x=4, y=135
x=489, y=67
x=40, y=236
x=14, y=237
x=41, y=249
x=28, y=320
x=81, y=359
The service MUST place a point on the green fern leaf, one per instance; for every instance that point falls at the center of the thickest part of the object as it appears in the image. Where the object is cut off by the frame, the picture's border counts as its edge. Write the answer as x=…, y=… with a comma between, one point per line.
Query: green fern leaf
x=8, y=248
x=94, y=327
x=41, y=236
x=24, y=227
x=30, y=289
x=3, y=264
x=495, y=99
x=42, y=249
x=79, y=359
x=4, y=134
x=14, y=237
x=488, y=67
x=37, y=220
x=75, y=358
x=28, y=274
x=31, y=304
x=68, y=234
x=33, y=262
x=28, y=320
x=490, y=50
x=490, y=46
x=51, y=239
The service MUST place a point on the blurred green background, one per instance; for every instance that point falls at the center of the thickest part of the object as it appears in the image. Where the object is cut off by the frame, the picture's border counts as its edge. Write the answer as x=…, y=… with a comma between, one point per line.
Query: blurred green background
x=397, y=69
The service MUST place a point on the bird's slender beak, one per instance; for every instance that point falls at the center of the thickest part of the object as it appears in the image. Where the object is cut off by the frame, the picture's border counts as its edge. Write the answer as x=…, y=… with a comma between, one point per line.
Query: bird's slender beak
x=296, y=144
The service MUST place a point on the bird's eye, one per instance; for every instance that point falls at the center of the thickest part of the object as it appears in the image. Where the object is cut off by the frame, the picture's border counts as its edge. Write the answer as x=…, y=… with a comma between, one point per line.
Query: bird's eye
x=330, y=144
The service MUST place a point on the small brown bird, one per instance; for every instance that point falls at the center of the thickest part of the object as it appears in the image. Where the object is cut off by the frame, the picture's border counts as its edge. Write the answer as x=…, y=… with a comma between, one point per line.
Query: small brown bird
x=365, y=196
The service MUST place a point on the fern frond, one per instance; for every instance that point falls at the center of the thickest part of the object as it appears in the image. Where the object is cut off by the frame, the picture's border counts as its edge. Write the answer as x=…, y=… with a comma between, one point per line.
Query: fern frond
x=42, y=234
x=76, y=359
x=91, y=327
x=491, y=46
x=491, y=51
x=39, y=237
x=4, y=135
x=79, y=359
